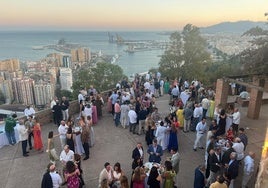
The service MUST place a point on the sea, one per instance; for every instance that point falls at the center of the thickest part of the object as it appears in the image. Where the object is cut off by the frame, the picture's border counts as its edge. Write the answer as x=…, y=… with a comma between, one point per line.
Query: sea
x=19, y=44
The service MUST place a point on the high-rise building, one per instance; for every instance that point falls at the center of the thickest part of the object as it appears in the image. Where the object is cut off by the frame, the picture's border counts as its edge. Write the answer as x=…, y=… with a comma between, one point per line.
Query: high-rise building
x=66, y=60
x=66, y=79
x=6, y=89
x=10, y=65
x=54, y=74
x=55, y=59
x=43, y=94
x=23, y=90
x=33, y=66
x=74, y=55
x=87, y=54
x=81, y=55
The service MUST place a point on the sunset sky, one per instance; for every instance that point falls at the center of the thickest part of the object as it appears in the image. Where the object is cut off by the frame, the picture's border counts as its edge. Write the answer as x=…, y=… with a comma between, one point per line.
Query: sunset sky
x=126, y=14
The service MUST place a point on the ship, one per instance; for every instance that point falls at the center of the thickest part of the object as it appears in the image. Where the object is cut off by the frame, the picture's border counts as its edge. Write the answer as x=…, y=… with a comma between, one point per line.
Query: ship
x=38, y=48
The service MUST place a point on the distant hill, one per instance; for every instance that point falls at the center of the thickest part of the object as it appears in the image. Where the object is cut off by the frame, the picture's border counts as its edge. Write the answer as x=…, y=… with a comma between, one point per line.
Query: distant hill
x=233, y=27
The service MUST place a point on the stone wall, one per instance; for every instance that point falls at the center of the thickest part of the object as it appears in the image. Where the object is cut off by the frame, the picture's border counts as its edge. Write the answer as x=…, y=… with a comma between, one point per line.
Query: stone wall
x=45, y=116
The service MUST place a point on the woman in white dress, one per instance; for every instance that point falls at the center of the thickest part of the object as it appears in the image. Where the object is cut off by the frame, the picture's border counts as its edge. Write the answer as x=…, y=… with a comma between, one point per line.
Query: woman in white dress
x=77, y=130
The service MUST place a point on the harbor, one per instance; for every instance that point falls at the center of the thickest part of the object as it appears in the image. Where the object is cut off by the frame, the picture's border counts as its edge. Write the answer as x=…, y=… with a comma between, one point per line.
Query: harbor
x=133, y=46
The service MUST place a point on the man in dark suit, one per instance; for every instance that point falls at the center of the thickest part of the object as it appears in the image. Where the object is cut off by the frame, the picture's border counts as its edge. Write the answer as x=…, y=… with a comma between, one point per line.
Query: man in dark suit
x=232, y=169
x=199, y=177
x=155, y=152
x=47, y=180
x=215, y=166
x=227, y=153
x=138, y=153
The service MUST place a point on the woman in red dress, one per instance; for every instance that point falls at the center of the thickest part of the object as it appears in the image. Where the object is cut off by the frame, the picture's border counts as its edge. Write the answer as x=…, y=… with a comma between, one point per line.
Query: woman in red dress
x=38, y=144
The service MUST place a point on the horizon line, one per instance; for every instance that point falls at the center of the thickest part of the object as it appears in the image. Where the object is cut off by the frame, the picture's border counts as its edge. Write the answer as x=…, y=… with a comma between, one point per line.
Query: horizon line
x=64, y=28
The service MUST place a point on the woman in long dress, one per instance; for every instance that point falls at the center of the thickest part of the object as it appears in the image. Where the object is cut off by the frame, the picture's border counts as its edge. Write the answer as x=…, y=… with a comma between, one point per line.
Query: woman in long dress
x=222, y=123
x=180, y=117
x=109, y=102
x=78, y=143
x=94, y=113
x=166, y=86
x=173, y=139
x=99, y=104
x=70, y=139
x=52, y=154
x=168, y=175
x=92, y=134
x=211, y=109
x=154, y=179
x=38, y=144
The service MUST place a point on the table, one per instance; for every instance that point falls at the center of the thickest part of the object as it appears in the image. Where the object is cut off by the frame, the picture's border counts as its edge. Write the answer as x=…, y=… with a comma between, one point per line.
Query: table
x=3, y=137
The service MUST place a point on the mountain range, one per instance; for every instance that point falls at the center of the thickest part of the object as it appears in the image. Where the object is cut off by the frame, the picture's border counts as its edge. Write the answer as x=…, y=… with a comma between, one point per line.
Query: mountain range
x=238, y=27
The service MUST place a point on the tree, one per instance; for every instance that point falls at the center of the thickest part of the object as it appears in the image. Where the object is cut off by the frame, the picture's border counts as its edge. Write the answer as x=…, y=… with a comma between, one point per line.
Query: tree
x=103, y=77
x=171, y=60
x=255, y=59
x=187, y=55
x=195, y=54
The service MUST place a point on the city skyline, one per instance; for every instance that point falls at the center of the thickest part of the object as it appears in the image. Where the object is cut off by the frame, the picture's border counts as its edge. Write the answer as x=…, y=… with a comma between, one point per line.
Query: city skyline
x=126, y=14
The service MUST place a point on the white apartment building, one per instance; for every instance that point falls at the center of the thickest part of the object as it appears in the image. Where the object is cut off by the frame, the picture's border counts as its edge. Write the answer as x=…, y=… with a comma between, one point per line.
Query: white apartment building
x=66, y=79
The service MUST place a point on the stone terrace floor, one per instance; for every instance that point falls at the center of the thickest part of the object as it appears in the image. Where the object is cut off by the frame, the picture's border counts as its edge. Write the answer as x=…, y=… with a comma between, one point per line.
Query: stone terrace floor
x=115, y=145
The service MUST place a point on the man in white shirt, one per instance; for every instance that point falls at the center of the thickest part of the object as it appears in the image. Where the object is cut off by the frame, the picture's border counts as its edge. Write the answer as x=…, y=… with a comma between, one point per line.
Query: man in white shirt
x=147, y=85
x=118, y=86
x=106, y=174
x=80, y=97
x=248, y=168
x=125, y=97
x=197, y=115
x=62, y=132
x=29, y=111
x=147, y=76
x=132, y=119
x=236, y=120
x=184, y=96
x=201, y=130
x=160, y=135
x=56, y=179
x=161, y=87
x=66, y=155
x=23, y=136
x=238, y=146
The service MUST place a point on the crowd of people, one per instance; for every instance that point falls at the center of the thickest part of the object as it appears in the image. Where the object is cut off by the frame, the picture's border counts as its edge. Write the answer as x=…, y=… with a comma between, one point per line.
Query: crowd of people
x=133, y=106
x=192, y=108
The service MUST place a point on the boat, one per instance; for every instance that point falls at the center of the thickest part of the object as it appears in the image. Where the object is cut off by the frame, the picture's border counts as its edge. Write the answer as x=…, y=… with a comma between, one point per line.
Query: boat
x=114, y=59
x=38, y=48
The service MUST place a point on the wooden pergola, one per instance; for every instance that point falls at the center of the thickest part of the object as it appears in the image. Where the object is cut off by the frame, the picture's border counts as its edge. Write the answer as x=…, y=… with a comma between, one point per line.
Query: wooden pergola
x=258, y=85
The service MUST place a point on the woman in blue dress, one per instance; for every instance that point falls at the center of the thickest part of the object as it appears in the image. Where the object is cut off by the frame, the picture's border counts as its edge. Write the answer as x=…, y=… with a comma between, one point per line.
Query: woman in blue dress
x=173, y=139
